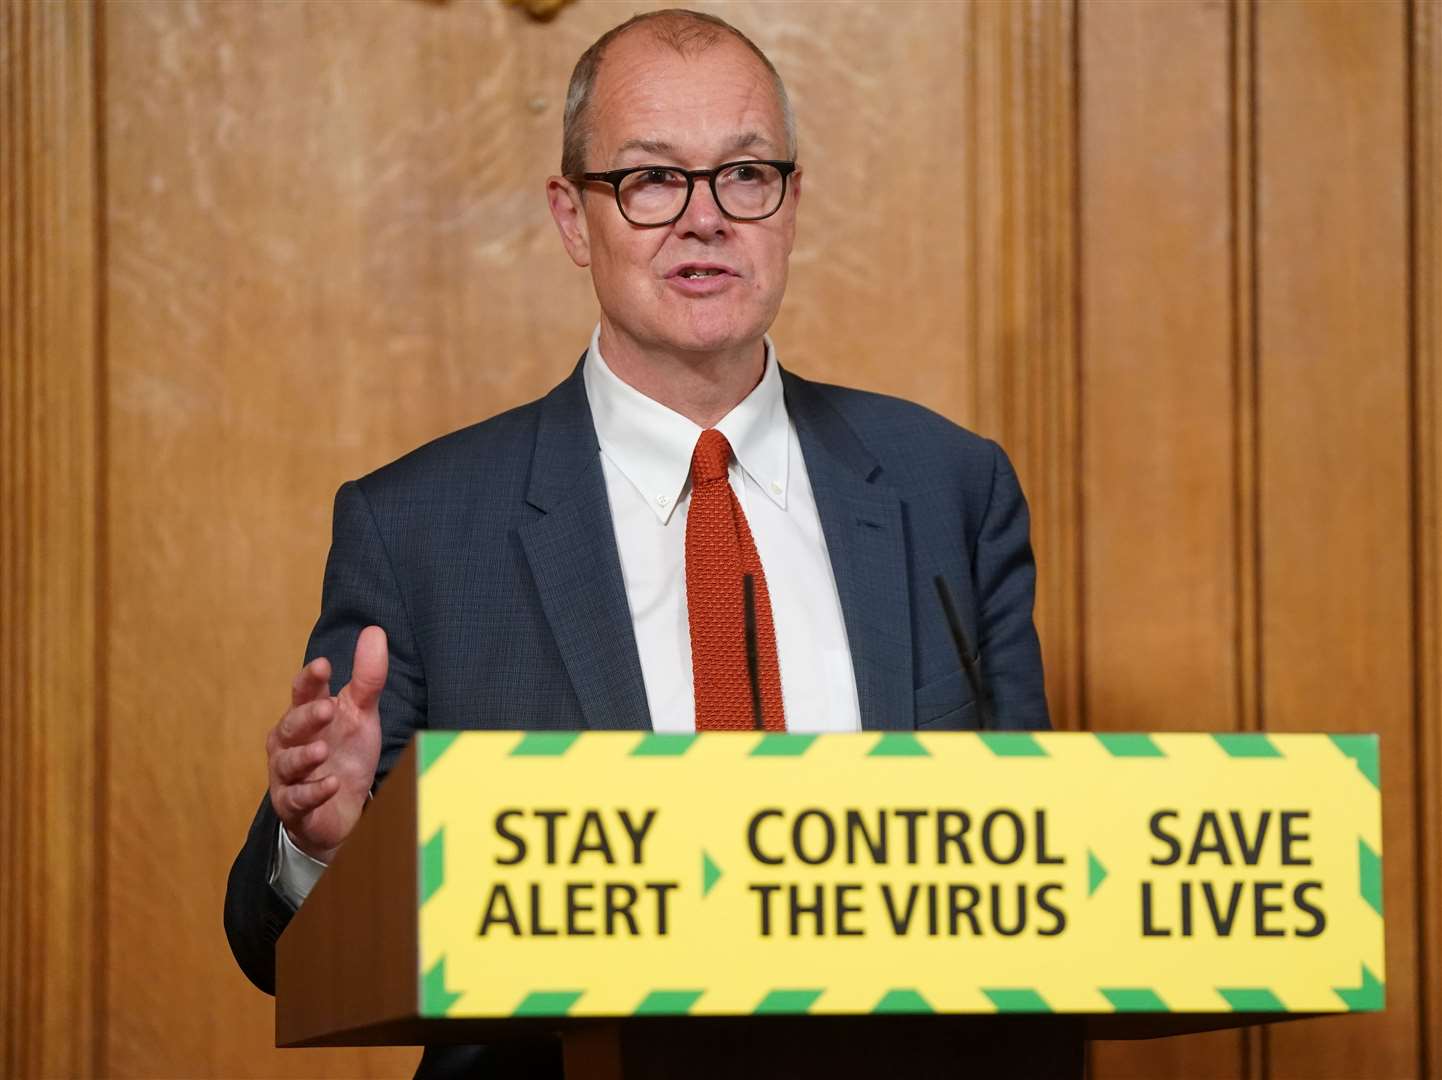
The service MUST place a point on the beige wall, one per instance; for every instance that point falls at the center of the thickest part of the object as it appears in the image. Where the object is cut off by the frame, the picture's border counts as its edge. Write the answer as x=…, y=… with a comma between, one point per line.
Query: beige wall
x=1183, y=258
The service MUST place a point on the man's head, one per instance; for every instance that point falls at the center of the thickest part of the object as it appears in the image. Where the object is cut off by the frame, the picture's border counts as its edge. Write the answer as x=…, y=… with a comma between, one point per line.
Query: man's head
x=686, y=32
x=678, y=89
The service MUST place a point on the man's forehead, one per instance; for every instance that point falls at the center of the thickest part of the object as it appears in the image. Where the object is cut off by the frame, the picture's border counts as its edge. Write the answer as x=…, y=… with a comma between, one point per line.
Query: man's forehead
x=651, y=98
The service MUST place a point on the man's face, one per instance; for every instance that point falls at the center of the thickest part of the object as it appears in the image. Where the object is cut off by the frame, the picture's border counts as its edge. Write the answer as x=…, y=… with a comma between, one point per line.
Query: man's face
x=653, y=106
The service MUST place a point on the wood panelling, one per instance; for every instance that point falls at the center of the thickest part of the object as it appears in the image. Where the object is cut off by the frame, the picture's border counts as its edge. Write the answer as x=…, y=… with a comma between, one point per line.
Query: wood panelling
x=1160, y=249
x=1022, y=350
x=51, y=834
x=1334, y=450
x=1427, y=426
x=329, y=243
x=1159, y=400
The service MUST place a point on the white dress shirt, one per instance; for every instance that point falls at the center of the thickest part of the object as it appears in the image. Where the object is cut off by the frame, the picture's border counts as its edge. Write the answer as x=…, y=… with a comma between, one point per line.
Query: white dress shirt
x=646, y=457
x=646, y=460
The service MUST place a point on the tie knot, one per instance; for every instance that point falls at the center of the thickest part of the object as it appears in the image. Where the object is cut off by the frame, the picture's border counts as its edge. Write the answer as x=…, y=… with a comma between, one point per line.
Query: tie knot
x=712, y=455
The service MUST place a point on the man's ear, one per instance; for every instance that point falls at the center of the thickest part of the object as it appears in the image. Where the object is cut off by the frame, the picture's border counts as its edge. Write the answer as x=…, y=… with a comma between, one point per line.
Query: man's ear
x=570, y=217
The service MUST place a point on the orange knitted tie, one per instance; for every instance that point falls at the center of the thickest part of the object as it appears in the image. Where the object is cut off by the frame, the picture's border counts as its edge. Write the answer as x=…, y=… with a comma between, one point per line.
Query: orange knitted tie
x=719, y=553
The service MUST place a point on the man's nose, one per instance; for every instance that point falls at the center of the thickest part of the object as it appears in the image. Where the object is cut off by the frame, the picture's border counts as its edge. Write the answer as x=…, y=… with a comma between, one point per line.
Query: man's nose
x=703, y=217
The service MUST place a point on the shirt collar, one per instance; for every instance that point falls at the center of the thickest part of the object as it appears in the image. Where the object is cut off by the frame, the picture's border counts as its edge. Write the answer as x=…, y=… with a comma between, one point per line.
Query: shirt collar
x=651, y=445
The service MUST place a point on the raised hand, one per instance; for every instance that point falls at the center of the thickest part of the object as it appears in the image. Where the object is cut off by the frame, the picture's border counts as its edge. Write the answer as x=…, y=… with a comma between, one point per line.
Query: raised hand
x=323, y=752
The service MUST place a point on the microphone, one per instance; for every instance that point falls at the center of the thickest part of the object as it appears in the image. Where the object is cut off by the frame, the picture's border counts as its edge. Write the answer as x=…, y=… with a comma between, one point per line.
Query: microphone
x=971, y=665
x=748, y=602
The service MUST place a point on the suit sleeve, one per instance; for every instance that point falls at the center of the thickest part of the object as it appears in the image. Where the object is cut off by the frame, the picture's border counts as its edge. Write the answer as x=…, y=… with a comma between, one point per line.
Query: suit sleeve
x=361, y=589
x=1005, y=574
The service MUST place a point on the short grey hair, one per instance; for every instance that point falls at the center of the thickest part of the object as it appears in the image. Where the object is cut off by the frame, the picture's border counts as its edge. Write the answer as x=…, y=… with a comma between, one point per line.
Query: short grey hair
x=688, y=32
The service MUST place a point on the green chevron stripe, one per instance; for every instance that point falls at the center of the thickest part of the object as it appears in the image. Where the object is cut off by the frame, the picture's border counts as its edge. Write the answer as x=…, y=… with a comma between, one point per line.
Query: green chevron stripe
x=1364, y=750
x=1371, y=996
x=548, y=1002
x=1013, y=744
x=668, y=1002
x=903, y=1001
x=778, y=744
x=710, y=874
x=663, y=744
x=788, y=1001
x=544, y=743
x=433, y=745
x=1246, y=744
x=1369, y=871
x=1134, y=999
x=1096, y=873
x=433, y=864
x=898, y=744
x=1017, y=999
x=1251, y=999
x=436, y=1000
x=1129, y=744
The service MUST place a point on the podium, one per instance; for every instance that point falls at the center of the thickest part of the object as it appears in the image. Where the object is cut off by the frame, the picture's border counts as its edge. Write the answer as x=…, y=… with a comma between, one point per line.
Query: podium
x=786, y=905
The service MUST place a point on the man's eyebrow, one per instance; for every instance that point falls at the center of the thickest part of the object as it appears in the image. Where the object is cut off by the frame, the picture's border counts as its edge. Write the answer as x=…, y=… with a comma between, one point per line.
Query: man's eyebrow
x=650, y=146
x=746, y=140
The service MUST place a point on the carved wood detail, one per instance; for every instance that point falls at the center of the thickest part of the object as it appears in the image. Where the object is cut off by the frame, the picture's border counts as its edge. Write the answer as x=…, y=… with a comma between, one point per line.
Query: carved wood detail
x=1023, y=231
x=51, y=841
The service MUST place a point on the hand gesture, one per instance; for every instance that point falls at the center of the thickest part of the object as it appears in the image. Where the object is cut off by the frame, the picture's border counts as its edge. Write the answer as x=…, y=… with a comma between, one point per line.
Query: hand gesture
x=323, y=751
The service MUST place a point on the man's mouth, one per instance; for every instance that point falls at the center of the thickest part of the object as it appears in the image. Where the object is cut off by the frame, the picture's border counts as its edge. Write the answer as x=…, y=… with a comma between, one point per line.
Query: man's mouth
x=701, y=271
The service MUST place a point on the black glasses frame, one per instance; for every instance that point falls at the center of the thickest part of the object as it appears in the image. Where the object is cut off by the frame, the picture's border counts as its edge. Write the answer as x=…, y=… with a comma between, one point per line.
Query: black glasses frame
x=615, y=176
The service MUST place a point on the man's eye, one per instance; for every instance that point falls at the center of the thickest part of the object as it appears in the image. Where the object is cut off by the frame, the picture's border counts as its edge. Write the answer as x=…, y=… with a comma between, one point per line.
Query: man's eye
x=746, y=174
x=655, y=176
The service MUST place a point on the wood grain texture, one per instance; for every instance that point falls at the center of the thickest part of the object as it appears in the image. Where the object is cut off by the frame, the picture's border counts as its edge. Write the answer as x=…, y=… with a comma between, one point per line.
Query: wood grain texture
x=1427, y=428
x=1160, y=367
x=329, y=243
x=51, y=838
x=1020, y=154
x=1335, y=449
x=326, y=242
x=1247, y=489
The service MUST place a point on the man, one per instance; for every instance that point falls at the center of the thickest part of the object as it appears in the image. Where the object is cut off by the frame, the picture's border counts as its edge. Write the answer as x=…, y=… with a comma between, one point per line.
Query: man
x=545, y=569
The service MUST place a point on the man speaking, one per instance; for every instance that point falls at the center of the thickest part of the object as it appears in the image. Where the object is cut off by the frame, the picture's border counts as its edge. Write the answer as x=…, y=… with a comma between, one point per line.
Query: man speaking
x=681, y=535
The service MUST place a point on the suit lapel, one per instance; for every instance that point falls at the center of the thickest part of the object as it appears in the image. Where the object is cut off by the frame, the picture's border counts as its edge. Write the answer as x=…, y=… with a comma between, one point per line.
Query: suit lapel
x=572, y=553
x=862, y=521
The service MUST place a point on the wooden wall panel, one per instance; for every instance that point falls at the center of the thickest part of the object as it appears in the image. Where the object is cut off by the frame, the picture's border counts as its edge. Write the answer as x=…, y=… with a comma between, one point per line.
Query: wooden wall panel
x=1164, y=257
x=1427, y=425
x=1335, y=460
x=328, y=242
x=1161, y=606
x=51, y=831
x=1019, y=294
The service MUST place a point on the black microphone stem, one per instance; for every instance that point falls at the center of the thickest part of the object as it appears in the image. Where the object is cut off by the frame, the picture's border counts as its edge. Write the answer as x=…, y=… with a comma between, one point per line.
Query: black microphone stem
x=969, y=663
x=748, y=600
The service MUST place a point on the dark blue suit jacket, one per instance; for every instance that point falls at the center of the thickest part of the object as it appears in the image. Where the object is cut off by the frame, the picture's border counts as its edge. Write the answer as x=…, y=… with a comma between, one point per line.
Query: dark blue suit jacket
x=490, y=559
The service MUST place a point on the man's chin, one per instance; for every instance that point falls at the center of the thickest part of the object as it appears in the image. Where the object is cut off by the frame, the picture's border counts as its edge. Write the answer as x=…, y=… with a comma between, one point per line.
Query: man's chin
x=710, y=338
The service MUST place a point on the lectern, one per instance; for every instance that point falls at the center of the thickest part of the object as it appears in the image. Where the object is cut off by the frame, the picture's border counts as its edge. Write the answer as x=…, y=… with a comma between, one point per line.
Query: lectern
x=843, y=905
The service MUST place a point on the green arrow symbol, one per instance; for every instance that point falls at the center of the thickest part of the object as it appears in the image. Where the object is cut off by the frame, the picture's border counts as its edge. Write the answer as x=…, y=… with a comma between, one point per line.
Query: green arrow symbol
x=710, y=874
x=1096, y=873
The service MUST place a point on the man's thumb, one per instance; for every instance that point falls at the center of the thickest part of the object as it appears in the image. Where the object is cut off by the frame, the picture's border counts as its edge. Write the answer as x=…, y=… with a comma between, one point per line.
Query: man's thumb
x=368, y=673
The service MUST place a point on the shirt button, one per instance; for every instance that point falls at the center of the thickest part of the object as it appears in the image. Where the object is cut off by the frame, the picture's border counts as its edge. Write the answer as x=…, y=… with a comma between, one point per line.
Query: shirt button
x=776, y=487
x=662, y=500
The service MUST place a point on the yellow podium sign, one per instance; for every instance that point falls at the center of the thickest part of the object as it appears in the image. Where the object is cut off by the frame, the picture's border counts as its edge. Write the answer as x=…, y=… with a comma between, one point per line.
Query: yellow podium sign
x=618, y=874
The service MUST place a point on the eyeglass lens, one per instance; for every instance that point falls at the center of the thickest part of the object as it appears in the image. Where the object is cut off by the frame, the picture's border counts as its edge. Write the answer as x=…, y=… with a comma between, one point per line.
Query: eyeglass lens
x=749, y=189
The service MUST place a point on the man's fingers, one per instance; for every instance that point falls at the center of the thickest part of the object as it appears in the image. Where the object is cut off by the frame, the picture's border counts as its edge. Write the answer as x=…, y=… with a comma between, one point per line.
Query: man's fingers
x=303, y=723
x=301, y=799
x=368, y=673
x=295, y=764
x=310, y=682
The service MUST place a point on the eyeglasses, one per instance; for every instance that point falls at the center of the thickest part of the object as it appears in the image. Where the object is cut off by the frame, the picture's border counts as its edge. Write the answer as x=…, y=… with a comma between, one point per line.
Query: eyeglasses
x=653, y=195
